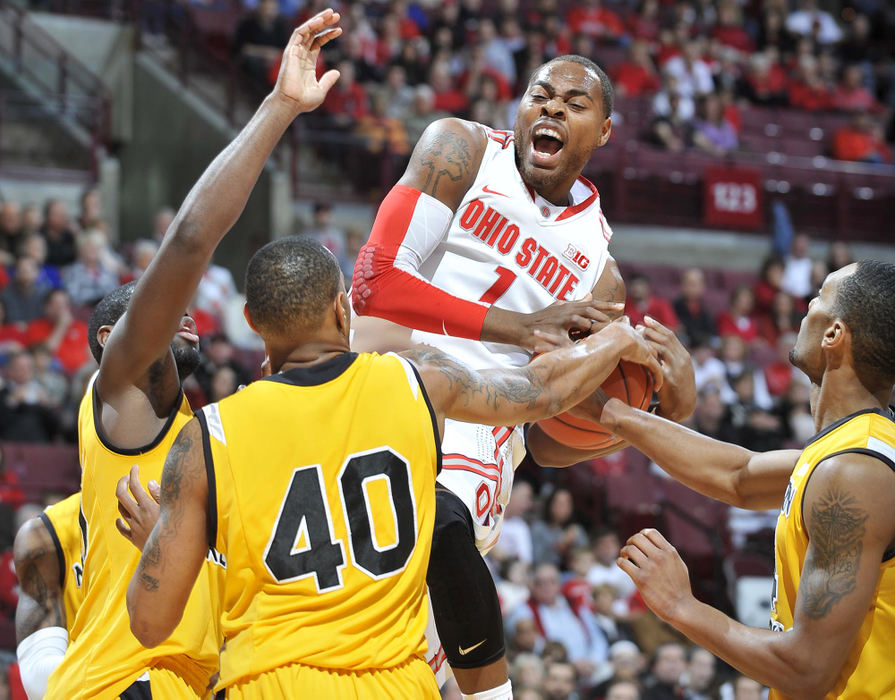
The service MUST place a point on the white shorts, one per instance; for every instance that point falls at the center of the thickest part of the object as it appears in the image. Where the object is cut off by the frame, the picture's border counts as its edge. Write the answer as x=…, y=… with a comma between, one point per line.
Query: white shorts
x=478, y=464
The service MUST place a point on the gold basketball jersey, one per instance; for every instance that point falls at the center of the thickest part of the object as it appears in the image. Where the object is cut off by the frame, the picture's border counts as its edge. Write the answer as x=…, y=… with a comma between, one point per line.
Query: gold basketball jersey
x=867, y=673
x=322, y=486
x=105, y=657
x=61, y=521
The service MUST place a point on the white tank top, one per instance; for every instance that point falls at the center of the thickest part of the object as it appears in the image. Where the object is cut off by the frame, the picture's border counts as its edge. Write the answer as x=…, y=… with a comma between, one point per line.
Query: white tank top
x=508, y=246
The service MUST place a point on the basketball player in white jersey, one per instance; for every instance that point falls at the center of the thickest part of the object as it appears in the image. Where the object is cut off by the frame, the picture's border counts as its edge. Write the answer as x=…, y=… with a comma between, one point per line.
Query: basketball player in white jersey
x=492, y=246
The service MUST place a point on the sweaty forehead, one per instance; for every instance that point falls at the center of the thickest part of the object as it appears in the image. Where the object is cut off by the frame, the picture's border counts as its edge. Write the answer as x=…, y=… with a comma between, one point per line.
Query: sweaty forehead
x=565, y=75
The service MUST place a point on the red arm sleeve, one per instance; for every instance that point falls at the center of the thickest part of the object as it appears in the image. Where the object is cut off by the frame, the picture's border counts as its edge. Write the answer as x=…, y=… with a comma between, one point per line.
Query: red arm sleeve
x=385, y=288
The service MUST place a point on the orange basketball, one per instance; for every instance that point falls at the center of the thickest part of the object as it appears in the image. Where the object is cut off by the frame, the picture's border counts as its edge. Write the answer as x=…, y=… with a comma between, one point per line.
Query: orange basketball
x=630, y=382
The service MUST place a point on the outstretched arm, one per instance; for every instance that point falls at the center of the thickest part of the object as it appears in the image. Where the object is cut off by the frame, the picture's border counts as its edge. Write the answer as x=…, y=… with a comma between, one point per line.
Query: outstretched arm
x=41, y=633
x=847, y=511
x=173, y=554
x=720, y=470
x=163, y=293
x=550, y=384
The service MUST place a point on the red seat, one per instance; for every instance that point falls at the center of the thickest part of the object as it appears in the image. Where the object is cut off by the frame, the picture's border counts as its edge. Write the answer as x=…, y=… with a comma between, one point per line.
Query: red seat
x=42, y=468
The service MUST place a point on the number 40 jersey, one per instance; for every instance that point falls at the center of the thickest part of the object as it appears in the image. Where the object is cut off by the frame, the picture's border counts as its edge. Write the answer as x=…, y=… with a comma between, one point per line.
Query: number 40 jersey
x=322, y=501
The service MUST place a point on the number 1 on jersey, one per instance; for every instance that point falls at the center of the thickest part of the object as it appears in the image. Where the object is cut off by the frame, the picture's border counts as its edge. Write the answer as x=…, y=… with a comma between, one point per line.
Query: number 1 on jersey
x=505, y=278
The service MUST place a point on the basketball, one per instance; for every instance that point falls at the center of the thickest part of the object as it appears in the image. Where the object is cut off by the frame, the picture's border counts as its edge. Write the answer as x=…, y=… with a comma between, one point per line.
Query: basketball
x=630, y=382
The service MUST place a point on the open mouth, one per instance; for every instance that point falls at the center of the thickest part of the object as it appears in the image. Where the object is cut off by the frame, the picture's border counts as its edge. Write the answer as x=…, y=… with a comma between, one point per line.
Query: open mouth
x=188, y=331
x=546, y=144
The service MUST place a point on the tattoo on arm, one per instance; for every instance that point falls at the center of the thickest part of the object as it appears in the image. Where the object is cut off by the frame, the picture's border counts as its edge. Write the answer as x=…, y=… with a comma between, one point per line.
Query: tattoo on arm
x=838, y=526
x=447, y=155
x=522, y=386
x=40, y=600
x=177, y=474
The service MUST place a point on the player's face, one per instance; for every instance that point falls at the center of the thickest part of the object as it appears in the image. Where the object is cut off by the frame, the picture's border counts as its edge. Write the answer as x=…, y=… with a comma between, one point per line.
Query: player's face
x=807, y=354
x=185, y=347
x=559, y=123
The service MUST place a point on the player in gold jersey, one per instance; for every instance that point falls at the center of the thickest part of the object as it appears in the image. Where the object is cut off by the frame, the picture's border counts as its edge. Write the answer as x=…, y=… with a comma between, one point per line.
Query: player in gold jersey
x=47, y=553
x=135, y=407
x=834, y=592
x=317, y=484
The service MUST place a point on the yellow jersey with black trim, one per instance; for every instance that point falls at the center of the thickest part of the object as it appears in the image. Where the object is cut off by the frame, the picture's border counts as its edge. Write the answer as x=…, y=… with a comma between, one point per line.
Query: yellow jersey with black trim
x=61, y=521
x=105, y=658
x=868, y=672
x=322, y=486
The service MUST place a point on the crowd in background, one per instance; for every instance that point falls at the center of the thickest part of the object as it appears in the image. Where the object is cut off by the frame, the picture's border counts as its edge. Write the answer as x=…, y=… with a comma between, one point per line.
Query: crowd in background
x=698, y=62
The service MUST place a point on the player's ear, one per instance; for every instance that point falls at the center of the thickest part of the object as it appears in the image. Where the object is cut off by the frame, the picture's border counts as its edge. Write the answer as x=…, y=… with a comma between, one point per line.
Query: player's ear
x=343, y=312
x=836, y=337
x=248, y=317
x=102, y=335
x=605, y=131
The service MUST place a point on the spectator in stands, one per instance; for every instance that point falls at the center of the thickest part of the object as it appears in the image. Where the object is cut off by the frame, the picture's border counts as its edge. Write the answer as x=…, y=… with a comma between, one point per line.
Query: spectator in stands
x=780, y=373
x=382, y=137
x=605, y=571
x=34, y=246
x=748, y=424
x=513, y=584
x=839, y=256
x=259, y=40
x=60, y=332
x=797, y=270
x=626, y=663
x=636, y=75
x=524, y=638
x=57, y=230
x=712, y=132
x=90, y=278
x=707, y=368
x=783, y=318
x=673, y=113
x=529, y=57
x=25, y=415
x=739, y=320
x=808, y=91
x=557, y=533
x=765, y=82
x=623, y=690
x=770, y=279
x=219, y=352
x=734, y=357
x=708, y=416
x=556, y=621
x=24, y=295
x=729, y=29
x=91, y=215
x=142, y=253
x=10, y=230
x=797, y=410
x=12, y=335
x=32, y=219
x=694, y=77
x=515, y=536
x=644, y=25
x=690, y=308
x=561, y=681
x=591, y=18
x=668, y=665
x=851, y=94
x=447, y=95
x=11, y=494
x=346, y=102
x=397, y=93
x=809, y=21
x=861, y=140
x=744, y=688
x=422, y=113
x=641, y=302
x=161, y=222
x=324, y=231
x=701, y=679
x=772, y=32
x=495, y=51
x=46, y=372
x=527, y=669
x=223, y=384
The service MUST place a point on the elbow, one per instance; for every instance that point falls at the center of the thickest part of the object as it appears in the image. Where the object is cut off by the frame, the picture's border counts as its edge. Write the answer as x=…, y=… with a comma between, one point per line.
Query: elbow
x=364, y=282
x=146, y=633
x=808, y=676
x=149, y=627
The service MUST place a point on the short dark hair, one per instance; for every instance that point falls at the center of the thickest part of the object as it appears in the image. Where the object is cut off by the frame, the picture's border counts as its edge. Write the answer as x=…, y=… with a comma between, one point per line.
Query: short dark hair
x=608, y=92
x=866, y=302
x=107, y=312
x=290, y=283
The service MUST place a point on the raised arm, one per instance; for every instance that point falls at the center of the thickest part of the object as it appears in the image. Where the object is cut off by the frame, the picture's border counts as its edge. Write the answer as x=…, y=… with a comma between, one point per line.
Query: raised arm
x=41, y=633
x=548, y=385
x=847, y=509
x=177, y=546
x=723, y=471
x=163, y=293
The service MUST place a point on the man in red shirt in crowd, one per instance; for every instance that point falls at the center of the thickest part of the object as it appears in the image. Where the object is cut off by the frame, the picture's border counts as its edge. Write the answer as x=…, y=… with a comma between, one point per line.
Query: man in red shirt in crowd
x=594, y=20
x=63, y=334
x=641, y=302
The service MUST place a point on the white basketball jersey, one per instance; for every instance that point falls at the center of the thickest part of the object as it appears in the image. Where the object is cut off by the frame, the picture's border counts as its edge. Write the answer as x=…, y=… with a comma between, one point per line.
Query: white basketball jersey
x=508, y=246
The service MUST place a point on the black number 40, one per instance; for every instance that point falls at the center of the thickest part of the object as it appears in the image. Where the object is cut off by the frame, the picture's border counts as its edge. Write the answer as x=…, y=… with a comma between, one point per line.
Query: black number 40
x=305, y=514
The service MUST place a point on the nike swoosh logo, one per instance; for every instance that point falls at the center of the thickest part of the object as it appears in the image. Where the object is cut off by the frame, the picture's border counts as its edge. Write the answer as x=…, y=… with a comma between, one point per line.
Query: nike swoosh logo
x=499, y=194
x=464, y=652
